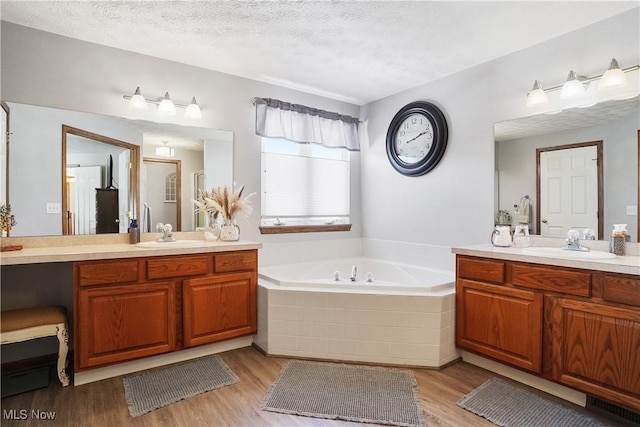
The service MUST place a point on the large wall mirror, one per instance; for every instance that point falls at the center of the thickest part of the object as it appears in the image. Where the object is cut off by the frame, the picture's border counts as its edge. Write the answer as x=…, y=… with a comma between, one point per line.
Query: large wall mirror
x=46, y=196
x=611, y=191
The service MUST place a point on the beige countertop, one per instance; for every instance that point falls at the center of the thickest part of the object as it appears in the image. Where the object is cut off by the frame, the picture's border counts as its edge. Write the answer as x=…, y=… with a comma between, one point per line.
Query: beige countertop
x=65, y=250
x=629, y=264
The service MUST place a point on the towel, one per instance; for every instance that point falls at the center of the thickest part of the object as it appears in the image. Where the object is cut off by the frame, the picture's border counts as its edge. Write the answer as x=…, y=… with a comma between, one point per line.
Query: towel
x=525, y=210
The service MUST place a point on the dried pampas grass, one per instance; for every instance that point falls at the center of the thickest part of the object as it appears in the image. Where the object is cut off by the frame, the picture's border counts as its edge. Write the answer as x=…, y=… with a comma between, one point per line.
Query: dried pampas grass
x=225, y=202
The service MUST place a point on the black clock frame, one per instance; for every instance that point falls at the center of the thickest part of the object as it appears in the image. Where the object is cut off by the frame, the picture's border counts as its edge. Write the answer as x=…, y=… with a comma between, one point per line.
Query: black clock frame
x=440, y=135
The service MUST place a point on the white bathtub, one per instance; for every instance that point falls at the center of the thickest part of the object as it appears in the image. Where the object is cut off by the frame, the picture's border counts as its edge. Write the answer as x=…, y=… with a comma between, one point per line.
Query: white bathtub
x=404, y=316
x=384, y=277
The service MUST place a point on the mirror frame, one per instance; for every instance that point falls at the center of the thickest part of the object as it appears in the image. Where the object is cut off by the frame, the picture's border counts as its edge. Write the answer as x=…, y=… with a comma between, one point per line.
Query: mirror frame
x=134, y=173
x=6, y=139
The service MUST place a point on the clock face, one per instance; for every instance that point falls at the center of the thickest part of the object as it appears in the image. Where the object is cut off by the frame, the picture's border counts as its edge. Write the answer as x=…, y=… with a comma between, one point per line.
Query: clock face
x=417, y=138
x=414, y=138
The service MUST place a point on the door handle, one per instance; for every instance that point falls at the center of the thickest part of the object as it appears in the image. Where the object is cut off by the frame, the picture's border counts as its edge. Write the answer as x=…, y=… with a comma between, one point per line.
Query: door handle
x=544, y=221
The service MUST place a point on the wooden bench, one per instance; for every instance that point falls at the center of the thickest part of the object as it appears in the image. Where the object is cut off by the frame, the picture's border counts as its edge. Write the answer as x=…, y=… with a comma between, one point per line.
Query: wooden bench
x=37, y=322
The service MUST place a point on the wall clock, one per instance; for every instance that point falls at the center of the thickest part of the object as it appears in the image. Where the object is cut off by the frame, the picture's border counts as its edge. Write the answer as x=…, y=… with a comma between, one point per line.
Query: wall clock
x=417, y=138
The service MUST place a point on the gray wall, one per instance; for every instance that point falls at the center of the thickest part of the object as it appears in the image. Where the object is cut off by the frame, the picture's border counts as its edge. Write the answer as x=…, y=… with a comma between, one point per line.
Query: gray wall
x=454, y=203
x=93, y=78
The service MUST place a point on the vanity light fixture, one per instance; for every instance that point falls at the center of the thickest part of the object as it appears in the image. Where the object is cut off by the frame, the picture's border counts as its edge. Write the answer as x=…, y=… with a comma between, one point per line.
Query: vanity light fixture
x=611, y=85
x=165, y=105
x=574, y=86
x=613, y=77
x=137, y=101
x=537, y=95
x=193, y=110
x=165, y=150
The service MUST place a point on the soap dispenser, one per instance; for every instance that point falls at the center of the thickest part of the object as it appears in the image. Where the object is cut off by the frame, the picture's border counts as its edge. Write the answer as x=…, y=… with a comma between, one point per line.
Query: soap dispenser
x=618, y=238
x=134, y=232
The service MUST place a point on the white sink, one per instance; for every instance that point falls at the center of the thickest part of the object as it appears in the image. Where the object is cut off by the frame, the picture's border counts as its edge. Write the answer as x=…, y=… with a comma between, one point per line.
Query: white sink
x=175, y=244
x=563, y=253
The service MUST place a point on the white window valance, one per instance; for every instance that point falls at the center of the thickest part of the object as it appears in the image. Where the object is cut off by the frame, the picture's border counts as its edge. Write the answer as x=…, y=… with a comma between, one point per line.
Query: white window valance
x=279, y=119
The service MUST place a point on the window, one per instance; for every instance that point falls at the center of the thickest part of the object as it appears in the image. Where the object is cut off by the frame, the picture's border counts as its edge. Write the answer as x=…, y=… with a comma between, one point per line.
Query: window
x=170, y=188
x=304, y=184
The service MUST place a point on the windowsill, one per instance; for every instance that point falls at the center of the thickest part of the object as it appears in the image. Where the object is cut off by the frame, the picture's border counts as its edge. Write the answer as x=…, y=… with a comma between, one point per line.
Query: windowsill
x=282, y=229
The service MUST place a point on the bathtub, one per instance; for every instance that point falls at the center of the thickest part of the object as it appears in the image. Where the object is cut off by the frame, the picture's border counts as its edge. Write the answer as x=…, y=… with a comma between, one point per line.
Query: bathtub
x=372, y=276
x=404, y=315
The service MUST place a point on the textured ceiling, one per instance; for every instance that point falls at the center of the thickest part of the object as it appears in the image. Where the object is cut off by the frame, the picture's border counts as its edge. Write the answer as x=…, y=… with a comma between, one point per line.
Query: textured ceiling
x=355, y=51
x=572, y=118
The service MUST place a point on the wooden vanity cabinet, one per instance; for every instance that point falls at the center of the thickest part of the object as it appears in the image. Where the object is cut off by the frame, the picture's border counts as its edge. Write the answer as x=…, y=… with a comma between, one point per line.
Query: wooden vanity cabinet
x=131, y=308
x=580, y=328
x=498, y=321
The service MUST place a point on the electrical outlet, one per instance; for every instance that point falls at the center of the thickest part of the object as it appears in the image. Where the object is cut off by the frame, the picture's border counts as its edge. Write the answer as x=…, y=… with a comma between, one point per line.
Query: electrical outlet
x=53, y=208
x=632, y=210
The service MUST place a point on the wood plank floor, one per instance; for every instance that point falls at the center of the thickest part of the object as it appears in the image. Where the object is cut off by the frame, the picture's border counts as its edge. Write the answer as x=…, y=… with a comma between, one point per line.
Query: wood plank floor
x=103, y=403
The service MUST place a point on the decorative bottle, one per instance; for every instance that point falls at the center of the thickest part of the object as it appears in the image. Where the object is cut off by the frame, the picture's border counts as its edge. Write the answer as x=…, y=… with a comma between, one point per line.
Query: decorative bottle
x=134, y=232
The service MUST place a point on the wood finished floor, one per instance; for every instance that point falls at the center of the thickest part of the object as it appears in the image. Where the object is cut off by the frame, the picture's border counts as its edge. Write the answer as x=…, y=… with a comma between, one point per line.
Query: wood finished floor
x=103, y=403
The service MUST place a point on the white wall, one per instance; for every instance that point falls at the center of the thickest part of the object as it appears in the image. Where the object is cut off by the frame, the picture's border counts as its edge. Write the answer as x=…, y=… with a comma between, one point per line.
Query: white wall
x=453, y=204
x=49, y=70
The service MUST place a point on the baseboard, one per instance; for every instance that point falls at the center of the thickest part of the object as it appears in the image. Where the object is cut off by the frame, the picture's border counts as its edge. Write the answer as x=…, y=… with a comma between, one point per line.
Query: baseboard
x=531, y=380
x=124, y=368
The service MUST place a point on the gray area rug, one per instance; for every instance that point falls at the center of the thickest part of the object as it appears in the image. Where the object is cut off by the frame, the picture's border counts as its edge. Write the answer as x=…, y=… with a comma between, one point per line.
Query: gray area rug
x=510, y=406
x=346, y=392
x=154, y=389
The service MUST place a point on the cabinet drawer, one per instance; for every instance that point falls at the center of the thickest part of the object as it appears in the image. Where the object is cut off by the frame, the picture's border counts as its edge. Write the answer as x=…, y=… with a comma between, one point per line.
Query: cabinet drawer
x=481, y=269
x=622, y=289
x=235, y=261
x=108, y=272
x=163, y=268
x=568, y=282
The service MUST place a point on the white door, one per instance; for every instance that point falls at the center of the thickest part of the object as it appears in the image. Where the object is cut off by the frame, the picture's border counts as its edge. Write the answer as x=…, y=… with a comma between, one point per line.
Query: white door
x=568, y=190
x=86, y=180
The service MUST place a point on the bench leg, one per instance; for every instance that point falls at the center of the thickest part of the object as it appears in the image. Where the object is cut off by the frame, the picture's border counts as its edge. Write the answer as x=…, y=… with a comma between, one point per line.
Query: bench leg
x=63, y=338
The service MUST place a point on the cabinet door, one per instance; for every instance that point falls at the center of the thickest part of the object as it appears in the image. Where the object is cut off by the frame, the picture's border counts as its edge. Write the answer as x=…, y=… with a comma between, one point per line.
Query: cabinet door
x=596, y=349
x=500, y=322
x=125, y=322
x=219, y=307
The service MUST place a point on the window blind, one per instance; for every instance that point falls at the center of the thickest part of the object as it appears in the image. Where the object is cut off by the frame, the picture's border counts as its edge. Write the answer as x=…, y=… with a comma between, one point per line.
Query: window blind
x=318, y=188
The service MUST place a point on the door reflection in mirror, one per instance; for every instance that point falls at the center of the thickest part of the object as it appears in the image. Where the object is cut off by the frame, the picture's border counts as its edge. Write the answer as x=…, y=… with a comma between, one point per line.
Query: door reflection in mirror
x=97, y=195
x=161, y=186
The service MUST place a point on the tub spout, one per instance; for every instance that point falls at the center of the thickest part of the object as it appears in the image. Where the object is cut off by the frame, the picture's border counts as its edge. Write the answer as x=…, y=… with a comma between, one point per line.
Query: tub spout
x=354, y=273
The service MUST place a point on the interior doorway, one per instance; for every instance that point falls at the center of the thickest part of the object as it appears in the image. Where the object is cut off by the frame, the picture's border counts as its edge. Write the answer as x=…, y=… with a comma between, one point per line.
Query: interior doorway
x=569, y=189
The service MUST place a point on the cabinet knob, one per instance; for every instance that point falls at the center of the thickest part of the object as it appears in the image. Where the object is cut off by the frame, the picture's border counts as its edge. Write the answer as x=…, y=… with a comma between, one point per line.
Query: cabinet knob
x=117, y=220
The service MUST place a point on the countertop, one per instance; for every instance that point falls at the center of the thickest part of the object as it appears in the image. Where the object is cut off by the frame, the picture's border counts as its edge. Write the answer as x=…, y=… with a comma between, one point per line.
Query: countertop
x=628, y=264
x=83, y=252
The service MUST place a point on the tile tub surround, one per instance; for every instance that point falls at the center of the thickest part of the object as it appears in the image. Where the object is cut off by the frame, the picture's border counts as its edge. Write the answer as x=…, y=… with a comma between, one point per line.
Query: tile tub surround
x=408, y=330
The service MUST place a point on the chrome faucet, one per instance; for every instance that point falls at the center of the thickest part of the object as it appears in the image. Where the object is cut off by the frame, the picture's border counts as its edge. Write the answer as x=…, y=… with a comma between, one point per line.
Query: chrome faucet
x=354, y=273
x=573, y=242
x=167, y=232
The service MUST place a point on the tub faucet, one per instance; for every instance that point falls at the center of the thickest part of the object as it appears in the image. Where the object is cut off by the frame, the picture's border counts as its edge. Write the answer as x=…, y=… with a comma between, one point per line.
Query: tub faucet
x=354, y=273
